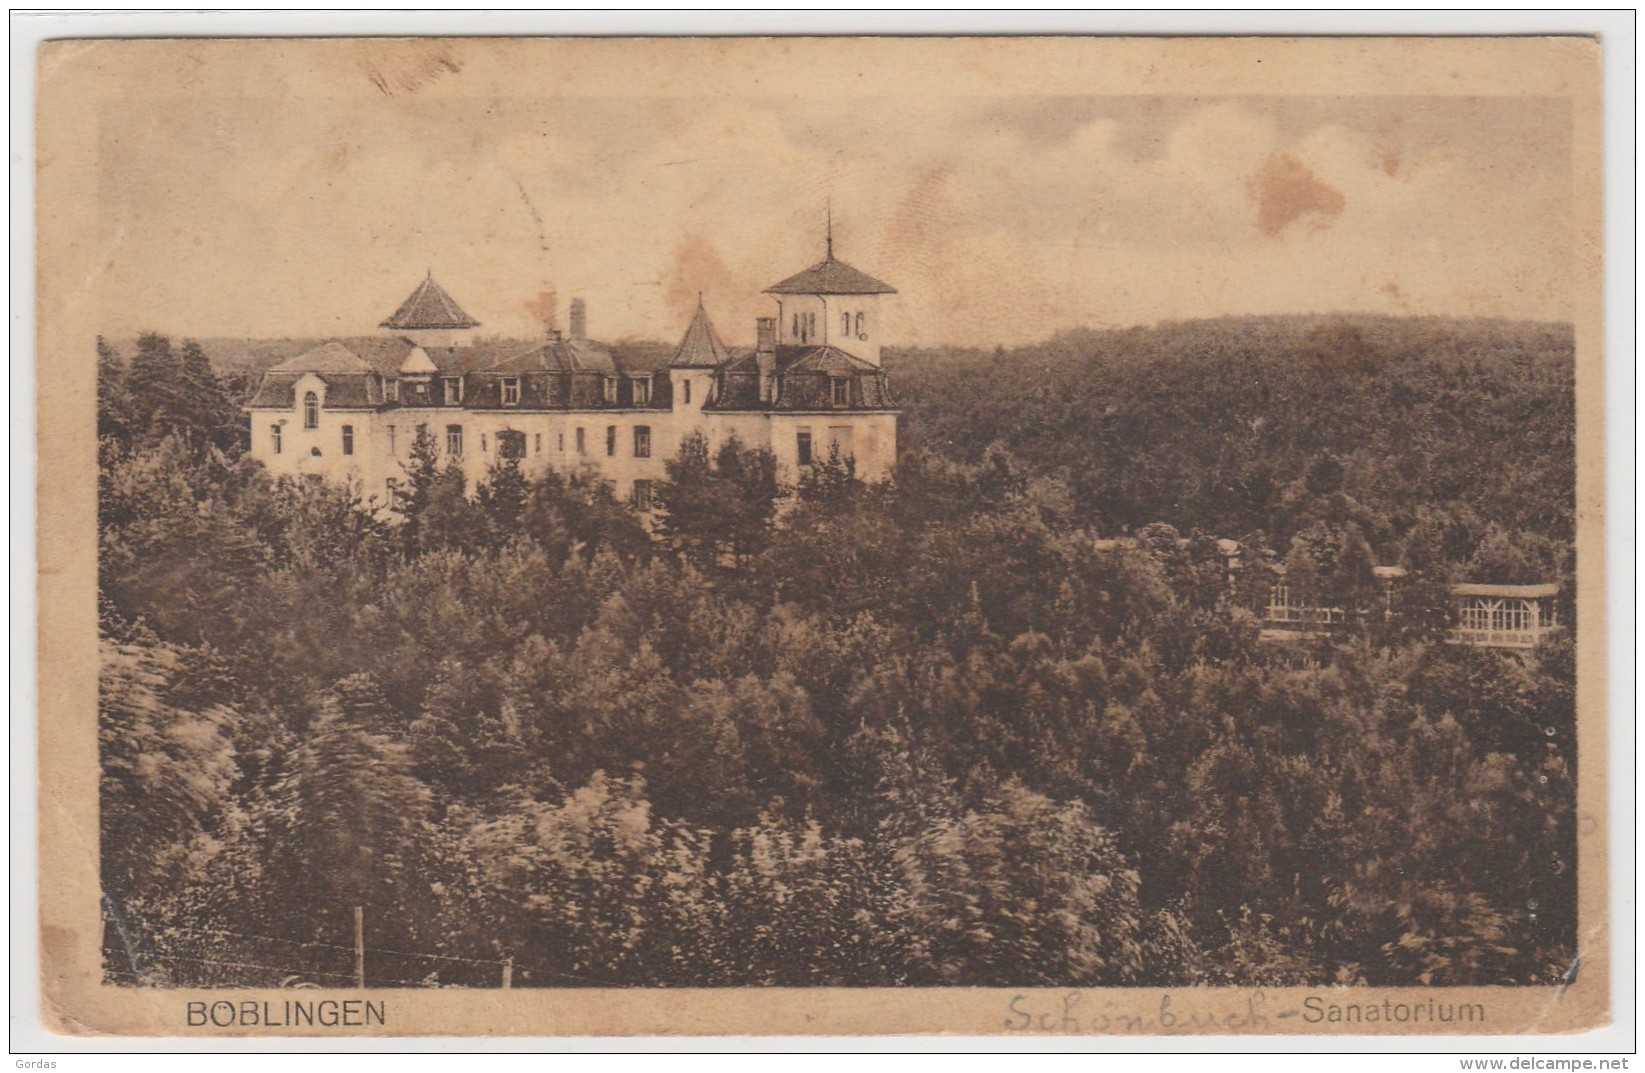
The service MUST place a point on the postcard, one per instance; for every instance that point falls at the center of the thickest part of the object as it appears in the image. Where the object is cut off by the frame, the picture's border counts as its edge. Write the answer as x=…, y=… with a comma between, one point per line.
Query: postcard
x=645, y=536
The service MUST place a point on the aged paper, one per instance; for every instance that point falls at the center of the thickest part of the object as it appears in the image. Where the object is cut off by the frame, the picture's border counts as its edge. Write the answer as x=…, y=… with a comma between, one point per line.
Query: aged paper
x=821, y=536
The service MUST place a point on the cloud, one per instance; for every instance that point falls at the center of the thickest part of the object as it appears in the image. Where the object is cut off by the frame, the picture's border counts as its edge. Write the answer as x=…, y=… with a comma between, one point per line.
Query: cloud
x=998, y=220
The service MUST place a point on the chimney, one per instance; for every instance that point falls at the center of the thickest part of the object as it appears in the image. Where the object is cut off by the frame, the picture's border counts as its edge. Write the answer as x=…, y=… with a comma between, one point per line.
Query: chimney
x=553, y=335
x=765, y=356
x=579, y=319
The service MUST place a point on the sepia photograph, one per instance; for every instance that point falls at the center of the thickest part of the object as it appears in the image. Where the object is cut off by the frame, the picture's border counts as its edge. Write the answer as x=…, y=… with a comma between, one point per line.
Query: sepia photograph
x=825, y=516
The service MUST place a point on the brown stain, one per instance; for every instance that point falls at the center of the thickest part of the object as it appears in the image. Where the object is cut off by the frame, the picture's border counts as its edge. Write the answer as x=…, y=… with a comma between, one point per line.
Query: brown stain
x=924, y=215
x=698, y=267
x=336, y=159
x=396, y=67
x=1396, y=294
x=1285, y=191
x=58, y=971
x=545, y=307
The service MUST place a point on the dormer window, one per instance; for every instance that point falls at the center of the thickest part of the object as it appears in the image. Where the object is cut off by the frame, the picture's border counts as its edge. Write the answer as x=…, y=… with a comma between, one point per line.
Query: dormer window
x=511, y=391
x=453, y=386
x=642, y=391
x=311, y=410
x=391, y=390
x=841, y=391
x=611, y=390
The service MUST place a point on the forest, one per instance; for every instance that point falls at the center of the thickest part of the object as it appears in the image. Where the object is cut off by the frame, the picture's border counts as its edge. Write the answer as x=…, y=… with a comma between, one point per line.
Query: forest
x=943, y=730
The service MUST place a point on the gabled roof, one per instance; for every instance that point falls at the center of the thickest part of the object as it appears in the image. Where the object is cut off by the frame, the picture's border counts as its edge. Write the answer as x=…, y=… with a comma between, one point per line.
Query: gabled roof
x=418, y=362
x=701, y=346
x=825, y=359
x=830, y=276
x=481, y=357
x=1528, y=592
x=331, y=357
x=349, y=391
x=557, y=356
x=429, y=307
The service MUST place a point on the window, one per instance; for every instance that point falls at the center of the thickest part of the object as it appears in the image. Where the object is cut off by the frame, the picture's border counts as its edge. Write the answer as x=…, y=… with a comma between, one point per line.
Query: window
x=685, y=385
x=311, y=410
x=795, y=332
x=562, y=443
x=841, y=391
x=845, y=324
x=394, y=493
x=611, y=390
x=483, y=448
x=275, y=438
x=840, y=440
x=537, y=444
x=642, y=441
x=610, y=440
x=454, y=440
x=511, y=444
x=511, y=391
x=642, y=495
x=802, y=444
x=860, y=333
x=642, y=391
x=582, y=442
x=348, y=439
x=391, y=390
x=810, y=325
x=392, y=450
x=453, y=386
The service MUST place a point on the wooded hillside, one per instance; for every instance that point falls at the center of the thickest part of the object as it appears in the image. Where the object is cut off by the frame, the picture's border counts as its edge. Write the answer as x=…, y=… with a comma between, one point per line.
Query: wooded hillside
x=931, y=732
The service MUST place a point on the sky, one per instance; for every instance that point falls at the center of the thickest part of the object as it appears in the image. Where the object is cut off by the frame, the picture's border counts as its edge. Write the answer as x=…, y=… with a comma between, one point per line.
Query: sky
x=1000, y=220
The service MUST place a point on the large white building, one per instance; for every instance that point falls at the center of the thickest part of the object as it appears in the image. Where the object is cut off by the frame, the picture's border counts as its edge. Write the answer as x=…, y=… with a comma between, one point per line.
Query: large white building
x=350, y=409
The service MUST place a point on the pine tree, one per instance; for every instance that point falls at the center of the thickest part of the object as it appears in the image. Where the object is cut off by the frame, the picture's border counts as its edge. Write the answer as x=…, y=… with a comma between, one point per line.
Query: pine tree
x=421, y=474
x=502, y=499
x=113, y=400
x=155, y=383
x=211, y=414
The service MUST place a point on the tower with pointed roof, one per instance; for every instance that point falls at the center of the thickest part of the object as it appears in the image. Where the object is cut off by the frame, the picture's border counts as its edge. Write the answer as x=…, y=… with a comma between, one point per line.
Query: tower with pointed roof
x=831, y=304
x=431, y=317
x=696, y=361
x=810, y=389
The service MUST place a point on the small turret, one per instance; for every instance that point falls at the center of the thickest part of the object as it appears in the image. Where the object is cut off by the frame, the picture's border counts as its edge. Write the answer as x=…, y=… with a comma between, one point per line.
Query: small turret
x=831, y=304
x=431, y=317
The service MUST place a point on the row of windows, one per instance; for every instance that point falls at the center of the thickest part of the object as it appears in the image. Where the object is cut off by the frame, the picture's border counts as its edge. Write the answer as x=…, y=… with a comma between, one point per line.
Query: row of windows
x=803, y=326
x=452, y=394
x=505, y=441
x=451, y=390
x=1482, y=614
x=644, y=493
x=840, y=396
x=839, y=436
x=277, y=436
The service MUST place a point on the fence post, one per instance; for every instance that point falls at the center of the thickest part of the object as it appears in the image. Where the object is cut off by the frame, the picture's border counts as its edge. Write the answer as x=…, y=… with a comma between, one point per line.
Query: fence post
x=359, y=946
x=508, y=972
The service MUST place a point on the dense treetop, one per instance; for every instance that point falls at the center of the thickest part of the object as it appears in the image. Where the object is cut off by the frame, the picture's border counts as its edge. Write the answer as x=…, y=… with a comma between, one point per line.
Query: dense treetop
x=928, y=732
